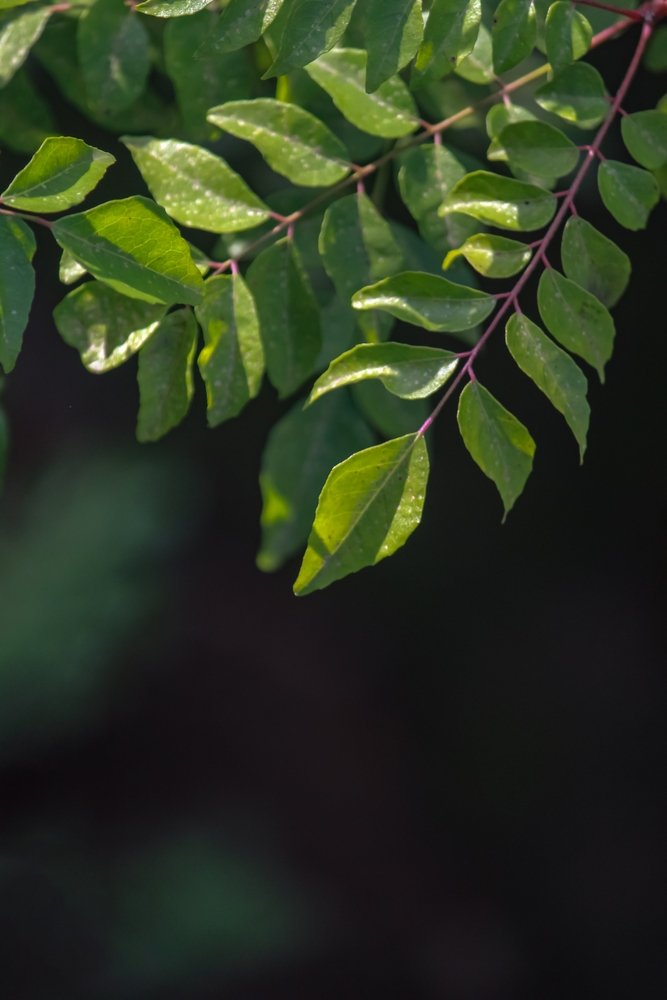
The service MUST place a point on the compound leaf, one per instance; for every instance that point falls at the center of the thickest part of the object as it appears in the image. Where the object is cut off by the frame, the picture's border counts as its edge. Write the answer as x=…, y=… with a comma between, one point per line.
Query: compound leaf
x=17, y=286
x=628, y=193
x=165, y=375
x=576, y=319
x=427, y=300
x=406, y=371
x=594, y=261
x=500, y=201
x=60, y=174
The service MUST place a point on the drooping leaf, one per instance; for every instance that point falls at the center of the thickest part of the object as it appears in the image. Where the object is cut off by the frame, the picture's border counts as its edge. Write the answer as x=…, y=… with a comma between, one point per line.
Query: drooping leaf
x=301, y=450
x=232, y=360
x=500, y=201
x=165, y=375
x=60, y=174
x=292, y=141
x=594, y=261
x=513, y=33
x=113, y=54
x=19, y=30
x=406, y=371
x=390, y=415
x=450, y=35
x=576, y=94
x=106, y=328
x=629, y=193
x=369, y=506
x=477, y=66
x=311, y=27
x=357, y=246
x=389, y=112
x=553, y=372
x=171, y=8
x=17, y=286
x=492, y=256
x=537, y=148
x=427, y=300
x=243, y=22
x=645, y=136
x=394, y=29
x=289, y=318
x=426, y=176
x=567, y=34
x=498, y=442
x=576, y=319
x=132, y=245
x=25, y=117
x=194, y=186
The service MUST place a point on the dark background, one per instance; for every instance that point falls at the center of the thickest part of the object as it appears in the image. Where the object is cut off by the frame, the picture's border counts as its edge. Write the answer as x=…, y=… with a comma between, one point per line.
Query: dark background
x=441, y=778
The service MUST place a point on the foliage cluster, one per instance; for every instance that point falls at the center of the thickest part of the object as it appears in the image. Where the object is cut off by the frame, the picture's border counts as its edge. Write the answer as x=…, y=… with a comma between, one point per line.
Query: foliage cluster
x=308, y=274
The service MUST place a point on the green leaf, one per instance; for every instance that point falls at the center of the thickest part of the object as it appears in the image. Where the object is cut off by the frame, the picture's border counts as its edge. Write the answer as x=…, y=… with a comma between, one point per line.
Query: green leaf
x=113, y=51
x=19, y=30
x=645, y=137
x=426, y=176
x=17, y=286
x=369, y=506
x=389, y=112
x=498, y=442
x=25, y=118
x=106, y=328
x=576, y=94
x=357, y=246
x=390, y=415
x=310, y=28
x=232, y=360
x=301, y=450
x=292, y=141
x=171, y=8
x=60, y=174
x=4, y=445
x=576, y=319
x=406, y=371
x=655, y=59
x=553, y=372
x=593, y=261
x=427, y=300
x=196, y=187
x=289, y=318
x=133, y=246
x=492, y=256
x=206, y=79
x=514, y=33
x=165, y=375
x=477, y=66
x=500, y=201
x=394, y=29
x=628, y=193
x=243, y=22
x=538, y=149
x=501, y=115
x=567, y=34
x=450, y=35
x=69, y=269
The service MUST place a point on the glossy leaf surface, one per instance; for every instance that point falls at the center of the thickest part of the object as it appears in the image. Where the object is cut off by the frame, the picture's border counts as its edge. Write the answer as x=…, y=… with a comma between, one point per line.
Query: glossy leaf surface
x=576, y=94
x=243, y=22
x=645, y=136
x=450, y=35
x=369, y=506
x=567, y=34
x=17, y=286
x=19, y=30
x=171, y=8
x=165, y=375
x=60, y=174
x=311, y=27
x=501, y=201
x=406, y=371
x=576, y=319
x=629, y=193
x=492, y=256
x=538, y=149
x=594, y=261
x=394, y=31
x=427, y=300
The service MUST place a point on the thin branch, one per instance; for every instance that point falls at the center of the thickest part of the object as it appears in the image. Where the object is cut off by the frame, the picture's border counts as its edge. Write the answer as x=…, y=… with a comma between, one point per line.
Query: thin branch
x=26, y=215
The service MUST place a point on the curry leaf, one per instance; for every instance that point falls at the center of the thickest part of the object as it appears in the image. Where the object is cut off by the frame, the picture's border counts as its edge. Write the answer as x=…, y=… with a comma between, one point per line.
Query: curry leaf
x=165, y=375
x=576, y=319
x=629, y=193
x=17, y=286
x=513, y=33
x=427, y=300
x=594, y=261
x=114, y=55
x=406, y=371
x=500, y=201
x=450, y=35
x=60, y=174
x=394, y=29
x=311, y=27
x=576, y=94
x=492, y=256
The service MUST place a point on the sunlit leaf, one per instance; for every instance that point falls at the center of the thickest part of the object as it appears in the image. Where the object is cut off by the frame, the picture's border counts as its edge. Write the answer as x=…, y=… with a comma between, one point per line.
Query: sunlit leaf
x=492, y=256
x=242, y=22
x=406, y=371
x=171, y=8
x=165, y=375
x=500, y=201
x=567, y=34
x=576, y=94
x=311, y=27
x=450, y=35
x=513, y=33
x=19, y=30
x=60, y=174
x=427, y=300
x=394, y=29
x=538, y=149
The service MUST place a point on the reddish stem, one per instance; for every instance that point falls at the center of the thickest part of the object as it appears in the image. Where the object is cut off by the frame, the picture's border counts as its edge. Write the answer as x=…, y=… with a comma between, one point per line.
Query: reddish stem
x=28, y=217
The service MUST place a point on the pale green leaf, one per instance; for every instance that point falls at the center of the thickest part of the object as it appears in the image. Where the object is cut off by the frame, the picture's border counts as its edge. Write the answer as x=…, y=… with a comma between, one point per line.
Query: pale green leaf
x=427, y=300
x=133, y=246
x=243, y=22
x=492, y=256
x=194, y=186
x=576, y=319
x=69, y=269
x=288, y=312
x=498, y=442
x=311, y=27
x=25, y=117
x=553, y=372
x=567, y=34
x=645, y=137
x=500, y=201
x=629, y=193
x=164, y=375
x=113, y=54
x=576, y=94
x=292, y=141
x=594, y=261
x=450, y=35
x=514, y=33
x=105, y=327
x=406, y=371
x=369, y=506
x=393, y=31
x=232, y=360
x=17, y=286
x=537, y=149
x=389, y=112
x=19, y=30
x=60, y=174
x=171, y=8
x=301, y=450
x=477, y=66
